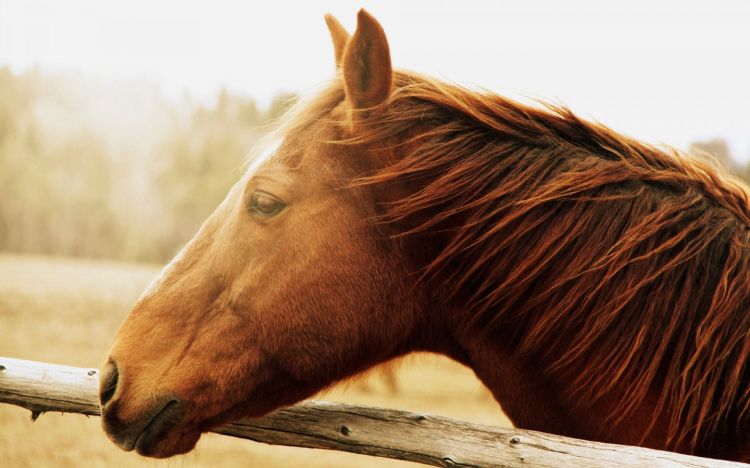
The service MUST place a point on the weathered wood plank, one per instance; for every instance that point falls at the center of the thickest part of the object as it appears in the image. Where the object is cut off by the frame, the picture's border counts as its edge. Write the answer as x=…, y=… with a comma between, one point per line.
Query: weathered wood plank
x=431, y=440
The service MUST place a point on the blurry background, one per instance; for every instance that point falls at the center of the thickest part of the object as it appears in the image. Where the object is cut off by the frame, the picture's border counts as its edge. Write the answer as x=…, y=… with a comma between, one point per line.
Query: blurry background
x=123, y=124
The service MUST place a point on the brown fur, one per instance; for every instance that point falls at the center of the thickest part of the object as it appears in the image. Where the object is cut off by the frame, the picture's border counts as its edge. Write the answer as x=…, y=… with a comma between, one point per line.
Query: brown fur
x=597, y=285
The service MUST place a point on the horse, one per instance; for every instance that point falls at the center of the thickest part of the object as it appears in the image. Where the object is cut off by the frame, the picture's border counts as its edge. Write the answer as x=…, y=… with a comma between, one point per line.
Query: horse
x=597, y=285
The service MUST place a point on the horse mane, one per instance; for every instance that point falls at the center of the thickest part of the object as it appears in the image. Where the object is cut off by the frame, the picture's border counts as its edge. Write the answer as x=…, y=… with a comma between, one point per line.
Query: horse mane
x=629, y=261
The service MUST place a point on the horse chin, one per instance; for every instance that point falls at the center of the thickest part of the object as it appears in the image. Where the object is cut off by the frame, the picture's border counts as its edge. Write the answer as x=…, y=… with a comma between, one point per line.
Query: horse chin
x=180, y=439
x=173, y=443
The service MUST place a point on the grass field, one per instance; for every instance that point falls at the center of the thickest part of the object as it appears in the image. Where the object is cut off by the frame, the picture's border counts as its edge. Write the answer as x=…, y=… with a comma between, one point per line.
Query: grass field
x=67, y=311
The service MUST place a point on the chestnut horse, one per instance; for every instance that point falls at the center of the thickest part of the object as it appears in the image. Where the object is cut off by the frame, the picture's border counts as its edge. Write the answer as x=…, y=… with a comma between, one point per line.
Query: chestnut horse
x=598, y=286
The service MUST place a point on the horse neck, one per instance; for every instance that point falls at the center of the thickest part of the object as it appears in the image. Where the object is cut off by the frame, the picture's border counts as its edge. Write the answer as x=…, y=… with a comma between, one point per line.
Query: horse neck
x=534, y=399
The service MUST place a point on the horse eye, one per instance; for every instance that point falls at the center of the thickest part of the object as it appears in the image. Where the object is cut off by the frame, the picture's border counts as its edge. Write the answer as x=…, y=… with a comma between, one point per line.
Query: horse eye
x=265, y=204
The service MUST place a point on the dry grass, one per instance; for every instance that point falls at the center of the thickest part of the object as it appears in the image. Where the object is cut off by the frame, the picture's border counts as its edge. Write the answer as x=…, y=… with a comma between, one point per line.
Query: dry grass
x=67, y=311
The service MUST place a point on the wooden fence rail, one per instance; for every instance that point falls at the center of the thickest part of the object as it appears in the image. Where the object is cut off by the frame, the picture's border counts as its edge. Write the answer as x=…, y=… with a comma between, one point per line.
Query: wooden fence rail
x=431, y=440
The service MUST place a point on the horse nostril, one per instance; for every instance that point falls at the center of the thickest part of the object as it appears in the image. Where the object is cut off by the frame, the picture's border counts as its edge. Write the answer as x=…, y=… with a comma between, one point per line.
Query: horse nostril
x=108, y=382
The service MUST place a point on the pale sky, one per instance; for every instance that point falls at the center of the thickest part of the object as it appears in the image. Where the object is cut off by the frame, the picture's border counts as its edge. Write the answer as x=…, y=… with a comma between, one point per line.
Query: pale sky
x=666, y=71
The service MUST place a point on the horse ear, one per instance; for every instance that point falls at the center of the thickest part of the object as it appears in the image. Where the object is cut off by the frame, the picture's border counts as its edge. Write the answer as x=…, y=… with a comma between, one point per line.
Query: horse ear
x=367, y=64
x=339, y=35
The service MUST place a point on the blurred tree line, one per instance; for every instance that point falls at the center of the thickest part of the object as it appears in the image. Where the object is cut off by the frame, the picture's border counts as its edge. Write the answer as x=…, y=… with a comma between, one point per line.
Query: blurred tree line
x=115, y=170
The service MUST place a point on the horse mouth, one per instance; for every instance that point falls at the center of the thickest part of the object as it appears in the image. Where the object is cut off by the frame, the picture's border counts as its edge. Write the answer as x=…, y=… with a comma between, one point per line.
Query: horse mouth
x=148, y=441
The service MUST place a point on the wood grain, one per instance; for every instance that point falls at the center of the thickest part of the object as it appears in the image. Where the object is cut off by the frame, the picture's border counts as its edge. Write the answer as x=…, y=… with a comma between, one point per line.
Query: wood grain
x=402, y=435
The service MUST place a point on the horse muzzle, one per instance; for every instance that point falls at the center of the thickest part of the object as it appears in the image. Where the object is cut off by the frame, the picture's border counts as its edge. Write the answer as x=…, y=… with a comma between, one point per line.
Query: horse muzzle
x=144, y=431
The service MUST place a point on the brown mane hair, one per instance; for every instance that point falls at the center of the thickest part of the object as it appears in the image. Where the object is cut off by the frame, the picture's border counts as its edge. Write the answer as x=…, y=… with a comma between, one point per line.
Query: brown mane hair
x=563, y=226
